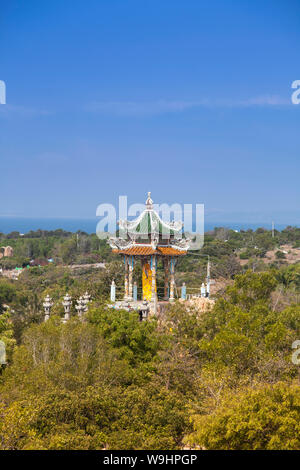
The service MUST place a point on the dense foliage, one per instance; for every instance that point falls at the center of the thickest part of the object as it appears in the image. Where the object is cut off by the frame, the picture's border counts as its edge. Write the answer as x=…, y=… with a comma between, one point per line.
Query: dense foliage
x=221, y=379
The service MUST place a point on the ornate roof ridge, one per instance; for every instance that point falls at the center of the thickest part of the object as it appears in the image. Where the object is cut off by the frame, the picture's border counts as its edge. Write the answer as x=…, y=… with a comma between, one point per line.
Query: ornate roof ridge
x=155, y=222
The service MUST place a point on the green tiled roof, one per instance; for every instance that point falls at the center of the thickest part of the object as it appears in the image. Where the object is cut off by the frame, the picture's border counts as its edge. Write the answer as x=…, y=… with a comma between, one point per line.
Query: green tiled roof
x=150, y=222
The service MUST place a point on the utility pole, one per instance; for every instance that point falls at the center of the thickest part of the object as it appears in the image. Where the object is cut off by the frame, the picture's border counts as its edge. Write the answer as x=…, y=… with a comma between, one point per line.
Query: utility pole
x=208, y=277
x=208, y=270
x=273, y=229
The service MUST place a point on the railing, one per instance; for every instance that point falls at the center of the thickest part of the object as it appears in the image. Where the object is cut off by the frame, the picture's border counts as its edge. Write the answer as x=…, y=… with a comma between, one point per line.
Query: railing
x=189, y=293
x=120, y=292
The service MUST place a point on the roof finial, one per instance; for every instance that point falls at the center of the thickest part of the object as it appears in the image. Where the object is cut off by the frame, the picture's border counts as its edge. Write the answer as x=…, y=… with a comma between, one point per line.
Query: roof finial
x=149, y=202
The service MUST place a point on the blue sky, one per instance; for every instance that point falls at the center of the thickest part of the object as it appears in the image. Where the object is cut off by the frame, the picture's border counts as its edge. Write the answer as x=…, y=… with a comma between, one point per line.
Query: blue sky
x=188, y=99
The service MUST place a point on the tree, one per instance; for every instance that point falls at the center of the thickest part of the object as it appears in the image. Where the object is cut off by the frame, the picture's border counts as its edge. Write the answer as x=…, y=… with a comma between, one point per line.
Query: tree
x=250, y=288
x=7, y=293
x=280, y=255
x=134, y=340
x=267, y=418
x=7, y=334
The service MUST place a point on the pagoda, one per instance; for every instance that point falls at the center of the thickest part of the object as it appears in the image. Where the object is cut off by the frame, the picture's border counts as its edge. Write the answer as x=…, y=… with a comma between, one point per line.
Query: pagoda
x=151, y=240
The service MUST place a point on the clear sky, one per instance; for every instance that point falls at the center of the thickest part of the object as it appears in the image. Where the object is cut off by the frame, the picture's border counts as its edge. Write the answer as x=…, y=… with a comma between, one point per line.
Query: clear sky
x=189, y=99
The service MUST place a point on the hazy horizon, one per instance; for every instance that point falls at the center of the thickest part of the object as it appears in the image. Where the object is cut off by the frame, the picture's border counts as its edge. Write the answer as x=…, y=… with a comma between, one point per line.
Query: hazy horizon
x=9, y=224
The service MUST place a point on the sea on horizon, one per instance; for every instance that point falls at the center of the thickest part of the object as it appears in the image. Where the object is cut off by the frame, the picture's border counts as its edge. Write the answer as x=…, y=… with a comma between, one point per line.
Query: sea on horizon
x=26, y=224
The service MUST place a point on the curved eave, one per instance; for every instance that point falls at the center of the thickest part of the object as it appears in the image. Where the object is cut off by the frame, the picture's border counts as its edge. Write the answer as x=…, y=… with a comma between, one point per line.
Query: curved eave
x=149, y=250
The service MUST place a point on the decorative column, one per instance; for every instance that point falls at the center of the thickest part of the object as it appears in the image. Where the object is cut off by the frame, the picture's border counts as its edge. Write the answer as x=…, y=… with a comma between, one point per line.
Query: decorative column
x=126, y=294
x=207, y=289
x=113, y=291
x=183, y=291
x=130, y=275
x=146, y=276
x=135, y=291
x=47, y=307
x=153, y=270
x=203, y=291
x=166, y=286
x=172, y=280
x=67, y=302
x=208, y=271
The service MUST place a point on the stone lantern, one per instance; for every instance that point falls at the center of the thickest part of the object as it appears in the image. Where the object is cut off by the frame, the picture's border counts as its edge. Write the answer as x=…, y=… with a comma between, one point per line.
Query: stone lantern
x=183, y=291
x=80, y=307
x=67, y=302
x=85, y=300
x=144, y=310
x=113, y=291
x=47, y=306
x=203, y=290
